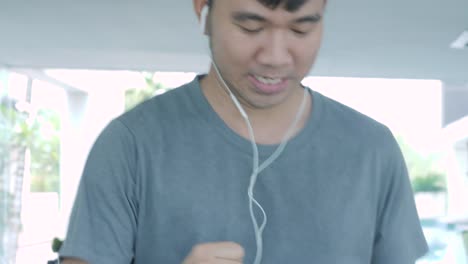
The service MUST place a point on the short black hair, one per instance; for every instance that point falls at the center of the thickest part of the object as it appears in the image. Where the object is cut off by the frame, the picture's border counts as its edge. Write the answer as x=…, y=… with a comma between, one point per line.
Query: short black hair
x=289, y=5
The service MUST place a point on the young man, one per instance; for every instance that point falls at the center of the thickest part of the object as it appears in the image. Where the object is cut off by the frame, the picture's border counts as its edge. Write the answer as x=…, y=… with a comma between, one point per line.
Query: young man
x=178, y=180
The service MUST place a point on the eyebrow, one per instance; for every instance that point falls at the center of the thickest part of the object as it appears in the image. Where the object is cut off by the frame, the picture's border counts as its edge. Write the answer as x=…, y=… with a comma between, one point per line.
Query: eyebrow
x=308, y=19
x=242, y=16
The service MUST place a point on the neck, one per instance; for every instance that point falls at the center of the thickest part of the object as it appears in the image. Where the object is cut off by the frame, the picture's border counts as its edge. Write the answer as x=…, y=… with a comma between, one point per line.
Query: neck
x=270, y=124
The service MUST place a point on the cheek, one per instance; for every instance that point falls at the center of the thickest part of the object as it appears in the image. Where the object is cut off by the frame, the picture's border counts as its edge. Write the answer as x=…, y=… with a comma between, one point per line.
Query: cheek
x=304, y=58
x=240, y=52
x=233, y=48
x=306, y=53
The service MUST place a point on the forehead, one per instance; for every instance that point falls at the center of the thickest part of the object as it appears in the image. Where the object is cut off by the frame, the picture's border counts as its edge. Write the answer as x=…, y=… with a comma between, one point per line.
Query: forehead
x=309, y=7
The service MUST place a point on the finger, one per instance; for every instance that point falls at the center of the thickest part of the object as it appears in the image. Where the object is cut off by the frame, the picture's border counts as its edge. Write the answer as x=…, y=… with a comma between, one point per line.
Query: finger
x=227, y=261
x=228, y=251
x=220, y=250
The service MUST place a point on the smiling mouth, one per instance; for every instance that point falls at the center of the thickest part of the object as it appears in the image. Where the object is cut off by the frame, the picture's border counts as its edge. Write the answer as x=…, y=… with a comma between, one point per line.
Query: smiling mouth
x=268, y=85
x=268, y=80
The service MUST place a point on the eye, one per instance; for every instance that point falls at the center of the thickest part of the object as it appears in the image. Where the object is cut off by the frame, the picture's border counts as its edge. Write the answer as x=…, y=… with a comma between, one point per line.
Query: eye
x=250, y=27
x=299, y=32
x=302, y=30
x=251, y=30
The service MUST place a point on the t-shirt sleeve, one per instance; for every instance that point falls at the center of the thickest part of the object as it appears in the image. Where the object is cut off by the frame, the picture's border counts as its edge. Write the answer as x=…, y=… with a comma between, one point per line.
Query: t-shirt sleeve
x=104, y=217
x=399, y=237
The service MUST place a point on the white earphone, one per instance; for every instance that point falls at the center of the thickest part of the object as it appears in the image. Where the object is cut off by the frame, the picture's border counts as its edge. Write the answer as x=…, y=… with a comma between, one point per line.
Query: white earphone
x=203, y=18
x=257, y=166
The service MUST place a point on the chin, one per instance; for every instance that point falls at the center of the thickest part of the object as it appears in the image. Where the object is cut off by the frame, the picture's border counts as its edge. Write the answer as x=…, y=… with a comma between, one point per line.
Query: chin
x=268, y=101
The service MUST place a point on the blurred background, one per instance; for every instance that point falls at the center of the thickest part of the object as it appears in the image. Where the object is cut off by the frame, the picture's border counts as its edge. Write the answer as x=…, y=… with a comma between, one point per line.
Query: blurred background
x=68, y=68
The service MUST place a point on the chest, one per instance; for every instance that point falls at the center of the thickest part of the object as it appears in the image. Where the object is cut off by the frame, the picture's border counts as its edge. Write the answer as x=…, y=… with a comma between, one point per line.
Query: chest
x=317, y=208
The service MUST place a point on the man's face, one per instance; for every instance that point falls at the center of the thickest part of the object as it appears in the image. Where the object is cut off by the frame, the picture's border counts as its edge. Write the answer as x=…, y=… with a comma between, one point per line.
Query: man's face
x=264, y=54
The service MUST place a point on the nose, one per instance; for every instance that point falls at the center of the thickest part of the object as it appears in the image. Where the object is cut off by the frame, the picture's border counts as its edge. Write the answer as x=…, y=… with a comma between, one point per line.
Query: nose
x=275, y=52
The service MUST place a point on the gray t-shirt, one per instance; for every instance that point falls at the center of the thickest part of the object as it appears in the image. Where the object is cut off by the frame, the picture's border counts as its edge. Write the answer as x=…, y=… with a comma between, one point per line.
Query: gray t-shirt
x=170, y=174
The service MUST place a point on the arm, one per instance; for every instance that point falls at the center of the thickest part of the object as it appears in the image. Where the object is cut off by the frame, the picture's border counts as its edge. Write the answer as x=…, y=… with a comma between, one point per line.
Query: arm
x=102, y=225
x=72, y=261
x=398, y=237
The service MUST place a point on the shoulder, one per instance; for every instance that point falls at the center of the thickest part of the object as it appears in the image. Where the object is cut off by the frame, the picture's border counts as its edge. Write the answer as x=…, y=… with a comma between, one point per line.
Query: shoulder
x=161, y=110
x=346, y=124
x=167, y=103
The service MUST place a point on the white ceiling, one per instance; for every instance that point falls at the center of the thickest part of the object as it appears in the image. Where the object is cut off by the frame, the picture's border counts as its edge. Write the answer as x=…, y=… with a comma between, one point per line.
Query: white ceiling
x=364, y=38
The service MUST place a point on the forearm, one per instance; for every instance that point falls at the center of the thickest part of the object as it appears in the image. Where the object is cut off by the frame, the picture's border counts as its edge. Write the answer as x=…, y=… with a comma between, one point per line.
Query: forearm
x=72, y=261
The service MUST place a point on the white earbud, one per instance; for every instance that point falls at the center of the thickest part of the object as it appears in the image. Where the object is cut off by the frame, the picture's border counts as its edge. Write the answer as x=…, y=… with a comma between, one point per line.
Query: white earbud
x=203, y=18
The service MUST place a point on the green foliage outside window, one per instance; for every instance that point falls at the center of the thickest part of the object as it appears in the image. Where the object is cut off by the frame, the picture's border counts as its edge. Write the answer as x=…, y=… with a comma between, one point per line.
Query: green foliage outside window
x=425, y=170
x=134, y=96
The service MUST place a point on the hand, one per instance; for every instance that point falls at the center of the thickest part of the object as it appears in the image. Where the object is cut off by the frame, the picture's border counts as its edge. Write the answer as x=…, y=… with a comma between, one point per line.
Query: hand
x=216, y=253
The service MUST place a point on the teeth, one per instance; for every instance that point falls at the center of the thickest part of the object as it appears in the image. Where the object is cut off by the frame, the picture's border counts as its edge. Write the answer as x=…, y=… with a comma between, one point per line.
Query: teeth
x=267, y=80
